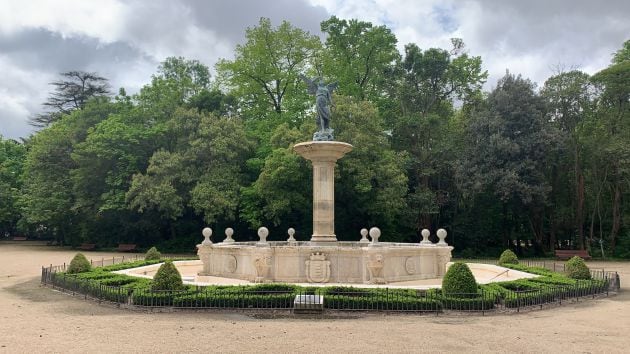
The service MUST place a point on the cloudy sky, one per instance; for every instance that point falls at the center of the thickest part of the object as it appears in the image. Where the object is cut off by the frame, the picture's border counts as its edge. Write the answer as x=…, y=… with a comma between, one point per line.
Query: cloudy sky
x=124, y=40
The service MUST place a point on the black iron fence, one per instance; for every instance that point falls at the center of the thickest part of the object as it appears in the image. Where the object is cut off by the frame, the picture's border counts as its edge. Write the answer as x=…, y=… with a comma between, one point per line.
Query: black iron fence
x=285, y=296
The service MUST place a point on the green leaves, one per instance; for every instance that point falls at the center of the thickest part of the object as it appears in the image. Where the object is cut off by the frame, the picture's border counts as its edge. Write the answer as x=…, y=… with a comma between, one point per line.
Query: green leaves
x=264, y=73
x=358, y=55
x=12, y=156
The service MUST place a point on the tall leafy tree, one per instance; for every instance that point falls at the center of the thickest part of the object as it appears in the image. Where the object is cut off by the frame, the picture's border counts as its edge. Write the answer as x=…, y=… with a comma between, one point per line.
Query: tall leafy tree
x=264, y=73
x=202, y=172
x=570, y=97
x=12, y=155
x=613, y=124
x=508, y=142
x=429, y=81
x=358, y=55
x=71, y=92
x=47, y=197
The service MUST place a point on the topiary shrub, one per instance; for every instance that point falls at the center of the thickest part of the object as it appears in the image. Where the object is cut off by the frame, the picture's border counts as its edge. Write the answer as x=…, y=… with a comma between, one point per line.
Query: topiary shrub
x=152, y=255
x=167, y=278
x=459, y=280
x=79, y=264
x=508, y=257
x=577, y=269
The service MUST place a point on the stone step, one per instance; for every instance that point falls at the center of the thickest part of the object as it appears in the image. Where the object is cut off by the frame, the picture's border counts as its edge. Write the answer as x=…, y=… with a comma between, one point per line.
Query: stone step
x=308, y=304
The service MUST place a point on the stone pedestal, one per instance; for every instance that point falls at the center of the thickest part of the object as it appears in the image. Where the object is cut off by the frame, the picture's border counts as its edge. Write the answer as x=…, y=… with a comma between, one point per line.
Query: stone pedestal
x=323, y=155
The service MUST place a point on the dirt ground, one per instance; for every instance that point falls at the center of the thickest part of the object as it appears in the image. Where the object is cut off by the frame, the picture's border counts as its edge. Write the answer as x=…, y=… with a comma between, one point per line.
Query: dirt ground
x=38, y=319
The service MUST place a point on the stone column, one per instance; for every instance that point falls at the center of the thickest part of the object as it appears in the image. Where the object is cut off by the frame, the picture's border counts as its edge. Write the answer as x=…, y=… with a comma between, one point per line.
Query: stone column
x=324, y=156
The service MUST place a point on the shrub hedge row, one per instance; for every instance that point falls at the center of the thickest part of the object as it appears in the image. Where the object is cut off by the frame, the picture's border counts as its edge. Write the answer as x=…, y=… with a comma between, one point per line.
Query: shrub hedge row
x=103, y=284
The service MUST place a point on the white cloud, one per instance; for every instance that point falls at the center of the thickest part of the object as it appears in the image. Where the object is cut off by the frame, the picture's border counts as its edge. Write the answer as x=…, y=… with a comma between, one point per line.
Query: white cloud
x=99, y=19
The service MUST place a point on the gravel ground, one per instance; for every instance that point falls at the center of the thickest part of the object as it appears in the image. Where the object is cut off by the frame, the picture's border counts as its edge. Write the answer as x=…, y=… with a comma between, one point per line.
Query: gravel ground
x=38, y=319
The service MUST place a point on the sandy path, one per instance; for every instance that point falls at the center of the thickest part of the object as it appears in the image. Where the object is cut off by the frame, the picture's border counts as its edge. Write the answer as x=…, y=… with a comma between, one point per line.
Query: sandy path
x=36, y=319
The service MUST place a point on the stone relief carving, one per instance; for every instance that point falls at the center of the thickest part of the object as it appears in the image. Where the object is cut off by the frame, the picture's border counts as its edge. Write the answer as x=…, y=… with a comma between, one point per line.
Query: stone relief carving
x=230, y=264
x=262, y=265
x=441, y=266
x=410, y=265
x=318, y=268
x=375, y=266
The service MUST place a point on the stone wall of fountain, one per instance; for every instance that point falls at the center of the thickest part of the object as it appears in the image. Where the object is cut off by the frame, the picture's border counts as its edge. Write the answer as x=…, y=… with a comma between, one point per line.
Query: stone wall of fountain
x=364, y=262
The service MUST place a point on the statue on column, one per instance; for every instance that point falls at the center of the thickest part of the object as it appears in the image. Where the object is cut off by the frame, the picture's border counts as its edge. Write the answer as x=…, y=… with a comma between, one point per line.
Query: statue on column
x=323, y=102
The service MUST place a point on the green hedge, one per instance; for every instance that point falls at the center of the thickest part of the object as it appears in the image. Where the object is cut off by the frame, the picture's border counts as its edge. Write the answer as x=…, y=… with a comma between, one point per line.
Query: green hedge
x=217, y=299
x=508, y=257
x=79, y=264
x=549, y=287
x=577, y=269
x=459, y=281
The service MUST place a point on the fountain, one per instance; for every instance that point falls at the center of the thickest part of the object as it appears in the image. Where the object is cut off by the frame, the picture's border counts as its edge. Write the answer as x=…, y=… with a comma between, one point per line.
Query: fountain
x=324, y=259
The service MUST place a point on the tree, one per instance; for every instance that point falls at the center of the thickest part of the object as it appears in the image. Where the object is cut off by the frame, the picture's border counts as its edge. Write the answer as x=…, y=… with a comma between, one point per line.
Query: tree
x=569, y=97
x=202, y=172
x=12, y=155
x=508, y=141
x=264, y=73
x=48, y=194
x=613, y=126
x=71, y=92
x=622, y=54
x=422, y=120
x=358, y=55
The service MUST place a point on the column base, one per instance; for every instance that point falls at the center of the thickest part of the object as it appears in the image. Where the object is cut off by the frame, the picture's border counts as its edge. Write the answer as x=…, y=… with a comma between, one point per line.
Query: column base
x=323, y=238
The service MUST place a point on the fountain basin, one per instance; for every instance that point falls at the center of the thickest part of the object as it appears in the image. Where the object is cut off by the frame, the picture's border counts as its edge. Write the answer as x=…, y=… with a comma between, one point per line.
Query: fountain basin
x=317, y=262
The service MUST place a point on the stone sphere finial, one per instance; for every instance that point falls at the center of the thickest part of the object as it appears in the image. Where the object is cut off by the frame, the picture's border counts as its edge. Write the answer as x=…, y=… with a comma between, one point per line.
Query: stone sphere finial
x=291, y=232
x=206, y=232
x=263, y=232
x=425, y=237
x=228, y=235
x=364, y=239
x=441, y=234
x=375, y=233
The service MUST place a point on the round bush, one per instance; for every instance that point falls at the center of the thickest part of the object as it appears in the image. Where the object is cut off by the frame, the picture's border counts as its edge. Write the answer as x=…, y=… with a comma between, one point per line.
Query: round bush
x=167, y=278
x=459, y=280
x=508, y=257
x=577, y=269
x=152, y=255
x=79, y=264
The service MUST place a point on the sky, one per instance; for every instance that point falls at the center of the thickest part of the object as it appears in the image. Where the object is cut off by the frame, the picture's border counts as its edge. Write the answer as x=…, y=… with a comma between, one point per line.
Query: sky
x=125, y=40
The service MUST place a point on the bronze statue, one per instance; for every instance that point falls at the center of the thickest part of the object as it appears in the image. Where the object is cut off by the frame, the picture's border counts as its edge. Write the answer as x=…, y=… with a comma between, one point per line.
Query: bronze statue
x=323, y=101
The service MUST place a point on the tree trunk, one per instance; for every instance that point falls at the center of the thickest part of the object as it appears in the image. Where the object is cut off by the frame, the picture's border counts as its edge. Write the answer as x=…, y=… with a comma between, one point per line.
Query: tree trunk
x=506, y=237
x=579, y=212
x=616, y=214
x=579, y=199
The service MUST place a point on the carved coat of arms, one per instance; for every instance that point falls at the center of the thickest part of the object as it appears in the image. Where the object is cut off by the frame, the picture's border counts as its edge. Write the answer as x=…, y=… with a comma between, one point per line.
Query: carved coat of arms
x=318, y=268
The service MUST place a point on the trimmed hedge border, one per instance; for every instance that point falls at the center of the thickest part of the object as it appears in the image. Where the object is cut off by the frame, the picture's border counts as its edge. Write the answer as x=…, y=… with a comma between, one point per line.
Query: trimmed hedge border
x=101, y=284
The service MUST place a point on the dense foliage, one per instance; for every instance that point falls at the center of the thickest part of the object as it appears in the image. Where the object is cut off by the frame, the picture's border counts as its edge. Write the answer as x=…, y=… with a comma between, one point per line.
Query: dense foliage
x=508, y=257
x=459, y=280
x=167, y=278
x=152, y=254
x=79, y=264
x=577, y=269
x=517, y=167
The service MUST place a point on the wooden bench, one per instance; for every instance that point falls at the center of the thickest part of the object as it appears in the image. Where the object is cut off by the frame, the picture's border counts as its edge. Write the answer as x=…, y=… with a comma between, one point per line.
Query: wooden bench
x=87, y=246
x=126, y=247
x=19, y=238
x=566, y=254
